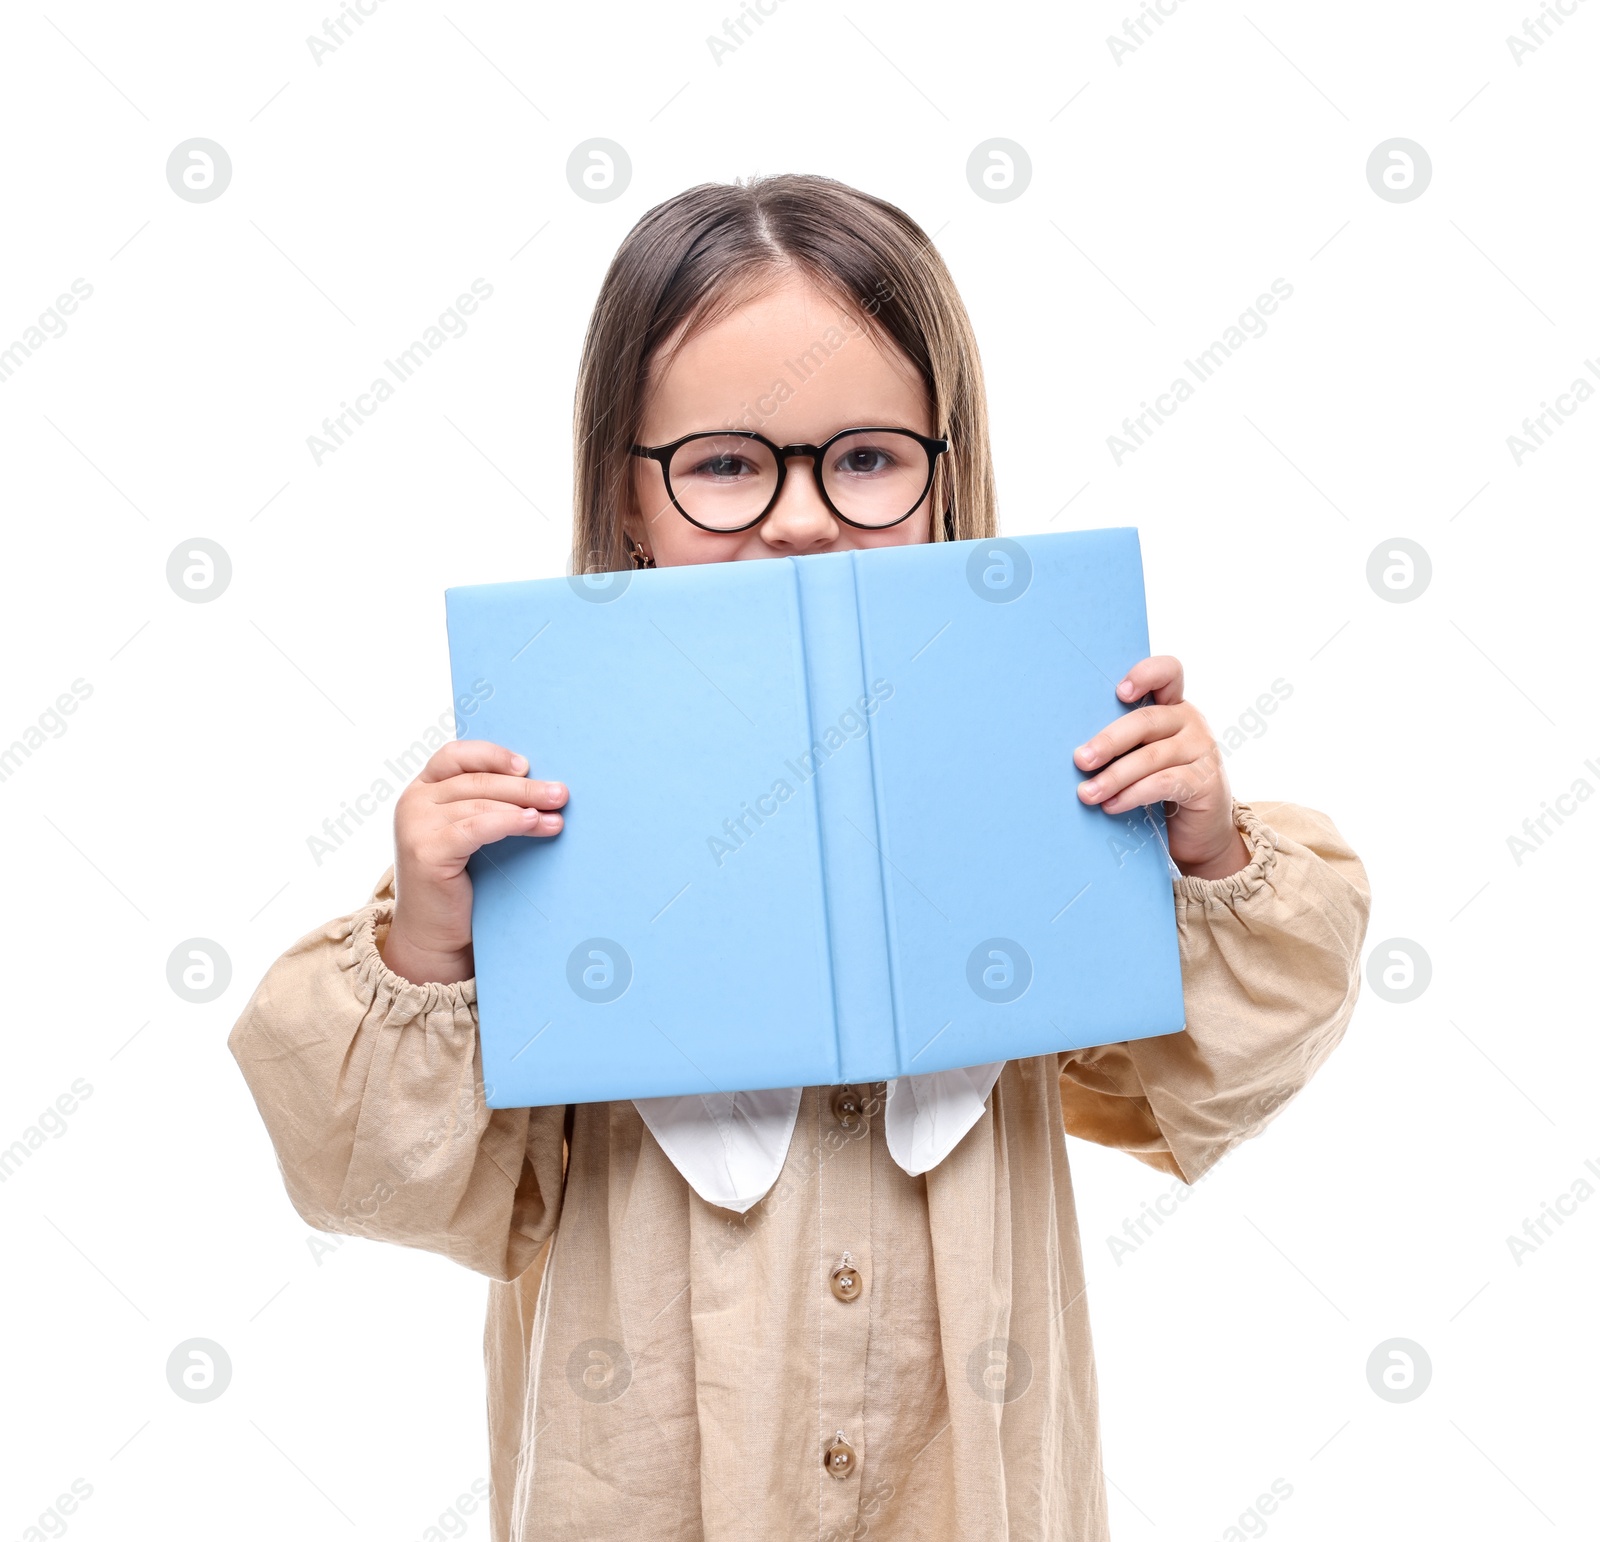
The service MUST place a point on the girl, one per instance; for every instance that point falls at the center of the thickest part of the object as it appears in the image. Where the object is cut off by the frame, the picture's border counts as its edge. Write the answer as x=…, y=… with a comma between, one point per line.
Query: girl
x=799, y=1314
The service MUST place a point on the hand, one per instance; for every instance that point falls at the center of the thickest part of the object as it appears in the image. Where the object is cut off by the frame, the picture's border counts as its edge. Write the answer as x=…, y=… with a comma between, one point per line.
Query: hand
x=470, y=793
x=1165, y=753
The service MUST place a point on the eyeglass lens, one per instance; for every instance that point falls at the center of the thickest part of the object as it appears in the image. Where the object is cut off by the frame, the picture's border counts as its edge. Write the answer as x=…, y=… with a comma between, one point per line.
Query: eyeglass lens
x=873, y=477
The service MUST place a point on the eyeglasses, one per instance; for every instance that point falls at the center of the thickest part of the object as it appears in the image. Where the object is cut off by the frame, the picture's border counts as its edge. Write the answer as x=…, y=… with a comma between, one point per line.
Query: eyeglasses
x=729, y=479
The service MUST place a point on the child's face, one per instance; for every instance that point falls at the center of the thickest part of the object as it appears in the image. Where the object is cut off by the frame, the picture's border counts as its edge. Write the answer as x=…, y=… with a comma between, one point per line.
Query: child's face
x=795, y=366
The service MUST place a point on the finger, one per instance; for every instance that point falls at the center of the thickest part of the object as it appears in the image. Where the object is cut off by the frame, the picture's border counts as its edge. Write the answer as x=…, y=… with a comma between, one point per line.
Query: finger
x=1175, y=785
x=470, y=808
x=504, y=789
x=1144, y=725
x=1161, y=674
x=1122, y=773
x=481, y=825
x=471, y=755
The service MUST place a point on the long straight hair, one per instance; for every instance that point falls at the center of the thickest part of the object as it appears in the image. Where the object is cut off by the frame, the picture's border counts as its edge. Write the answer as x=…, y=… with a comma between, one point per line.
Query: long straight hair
x=690, y=260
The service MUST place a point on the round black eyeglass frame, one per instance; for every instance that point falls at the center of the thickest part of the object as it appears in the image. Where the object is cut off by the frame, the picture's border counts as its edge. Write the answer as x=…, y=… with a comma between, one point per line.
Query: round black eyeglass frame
x=662, y=454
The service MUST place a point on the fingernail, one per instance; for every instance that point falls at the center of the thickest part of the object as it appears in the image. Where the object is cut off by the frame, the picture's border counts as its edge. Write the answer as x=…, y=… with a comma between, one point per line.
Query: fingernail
x=1087, y=754
x=519, y=764
x=553, y=789
x=1126, y=688
x=550, y=822
x=1091, y=789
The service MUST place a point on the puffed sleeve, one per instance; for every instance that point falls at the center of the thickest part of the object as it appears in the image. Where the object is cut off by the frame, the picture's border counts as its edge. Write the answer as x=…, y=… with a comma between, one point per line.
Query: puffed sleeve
x=1271, y=960
x=371, y=1089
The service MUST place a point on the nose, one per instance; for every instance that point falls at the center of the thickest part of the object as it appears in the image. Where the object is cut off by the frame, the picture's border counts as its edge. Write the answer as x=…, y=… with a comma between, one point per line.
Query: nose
x=799, y=521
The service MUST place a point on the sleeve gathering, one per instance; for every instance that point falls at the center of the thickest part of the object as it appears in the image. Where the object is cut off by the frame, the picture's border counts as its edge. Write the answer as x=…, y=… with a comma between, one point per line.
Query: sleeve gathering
x=1271, y=959
x=371, y=1089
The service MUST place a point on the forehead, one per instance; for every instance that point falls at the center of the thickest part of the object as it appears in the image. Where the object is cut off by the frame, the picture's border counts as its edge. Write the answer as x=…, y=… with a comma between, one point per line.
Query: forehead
x=796, y=355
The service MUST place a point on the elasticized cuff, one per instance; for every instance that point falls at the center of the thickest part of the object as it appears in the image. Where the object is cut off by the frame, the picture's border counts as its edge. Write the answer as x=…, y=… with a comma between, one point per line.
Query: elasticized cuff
x=374, y=979
x=1230, y=890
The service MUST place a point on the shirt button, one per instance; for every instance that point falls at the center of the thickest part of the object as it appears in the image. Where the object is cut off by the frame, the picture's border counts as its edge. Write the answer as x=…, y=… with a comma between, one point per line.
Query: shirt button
x=840, y=1457
x=847, y=1106
x=846, y=1282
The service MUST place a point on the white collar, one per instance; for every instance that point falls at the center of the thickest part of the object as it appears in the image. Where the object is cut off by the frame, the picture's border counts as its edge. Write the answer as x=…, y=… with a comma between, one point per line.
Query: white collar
x=730, y=1146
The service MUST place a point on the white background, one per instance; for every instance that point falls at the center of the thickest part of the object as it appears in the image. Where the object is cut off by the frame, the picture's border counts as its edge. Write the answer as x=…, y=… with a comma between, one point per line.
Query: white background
x=1168, y=190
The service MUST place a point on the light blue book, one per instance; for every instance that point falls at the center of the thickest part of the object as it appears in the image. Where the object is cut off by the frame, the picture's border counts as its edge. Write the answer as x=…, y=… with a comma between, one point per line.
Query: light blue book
x=823, y=822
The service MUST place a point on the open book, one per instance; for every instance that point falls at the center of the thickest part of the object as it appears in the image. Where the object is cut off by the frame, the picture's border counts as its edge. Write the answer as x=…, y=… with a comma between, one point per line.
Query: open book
x=823, y=822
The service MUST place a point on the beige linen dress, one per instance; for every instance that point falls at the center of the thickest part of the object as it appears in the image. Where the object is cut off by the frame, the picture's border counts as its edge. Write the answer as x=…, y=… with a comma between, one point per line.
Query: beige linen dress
x=861, y=1354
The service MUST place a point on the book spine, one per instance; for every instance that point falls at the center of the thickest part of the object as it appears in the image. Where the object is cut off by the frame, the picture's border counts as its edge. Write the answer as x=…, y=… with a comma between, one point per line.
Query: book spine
x=889, y=1052
x=839, y=768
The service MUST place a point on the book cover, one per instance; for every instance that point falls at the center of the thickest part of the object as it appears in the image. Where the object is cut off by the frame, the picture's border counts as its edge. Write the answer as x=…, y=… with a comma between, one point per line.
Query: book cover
x=822, y=823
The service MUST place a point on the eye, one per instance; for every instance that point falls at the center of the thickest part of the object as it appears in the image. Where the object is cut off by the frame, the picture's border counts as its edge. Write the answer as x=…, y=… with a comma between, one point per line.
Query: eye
x=721, y=467
x=864, y=460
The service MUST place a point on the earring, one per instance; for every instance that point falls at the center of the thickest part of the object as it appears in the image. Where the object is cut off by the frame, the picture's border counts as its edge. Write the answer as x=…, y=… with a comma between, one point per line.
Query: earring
x=639, y=556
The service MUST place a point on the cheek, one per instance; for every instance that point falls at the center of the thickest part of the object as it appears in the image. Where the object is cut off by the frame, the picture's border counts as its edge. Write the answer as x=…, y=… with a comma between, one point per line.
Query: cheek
x=648, y=492
x=664, y=527
x=912, y=532
x=674, y=542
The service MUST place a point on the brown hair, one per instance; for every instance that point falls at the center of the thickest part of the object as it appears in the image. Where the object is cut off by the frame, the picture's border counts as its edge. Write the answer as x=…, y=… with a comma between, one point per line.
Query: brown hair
x=691, y=259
